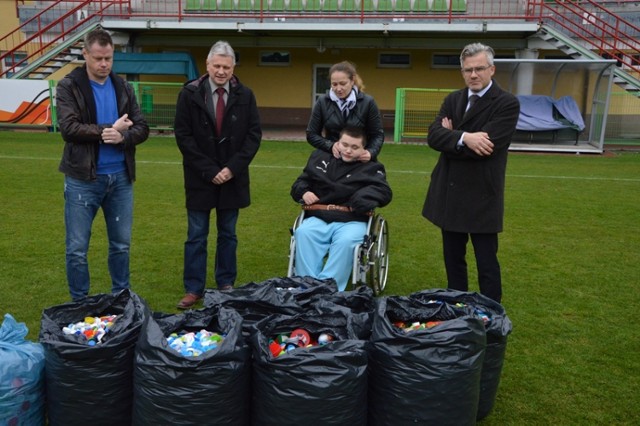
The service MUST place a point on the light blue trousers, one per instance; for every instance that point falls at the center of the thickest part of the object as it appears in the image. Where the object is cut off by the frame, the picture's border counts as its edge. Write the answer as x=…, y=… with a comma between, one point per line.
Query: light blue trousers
x=315, y=238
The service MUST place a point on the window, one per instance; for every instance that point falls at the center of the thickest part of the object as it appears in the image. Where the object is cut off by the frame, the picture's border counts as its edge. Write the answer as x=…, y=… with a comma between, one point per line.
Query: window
x=445, y=60
x=394, y=60
x=275, y=59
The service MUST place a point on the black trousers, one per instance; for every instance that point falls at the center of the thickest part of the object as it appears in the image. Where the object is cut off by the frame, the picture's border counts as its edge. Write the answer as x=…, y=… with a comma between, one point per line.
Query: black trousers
x=485, y=247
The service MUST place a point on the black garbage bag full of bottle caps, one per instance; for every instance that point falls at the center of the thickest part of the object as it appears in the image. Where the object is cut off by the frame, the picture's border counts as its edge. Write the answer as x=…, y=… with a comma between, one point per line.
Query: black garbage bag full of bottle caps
x=360, y=303
x=425, y=363
x=498, y=327
x=192, y=368
x=308, y=369
x=89, y=377
x=256, y=301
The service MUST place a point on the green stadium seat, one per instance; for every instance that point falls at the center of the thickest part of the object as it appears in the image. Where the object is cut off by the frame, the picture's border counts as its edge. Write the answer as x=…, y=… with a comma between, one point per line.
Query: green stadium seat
x=192, y=5
x=245, y=5
x=443, y=6
x=276, y=5
x=330, y=6
x=369, y=6
x=350, y=6
x=385, y=5
x=295, y=5
x=458, y=5
x=209, y=5
x=403, y=6
x=257, y=3
x=227, y=5
x=312, y=5
x=421, y=6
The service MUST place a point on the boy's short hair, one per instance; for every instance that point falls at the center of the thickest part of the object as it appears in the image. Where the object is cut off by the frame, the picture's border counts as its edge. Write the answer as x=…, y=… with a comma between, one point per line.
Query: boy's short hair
x=355, y=132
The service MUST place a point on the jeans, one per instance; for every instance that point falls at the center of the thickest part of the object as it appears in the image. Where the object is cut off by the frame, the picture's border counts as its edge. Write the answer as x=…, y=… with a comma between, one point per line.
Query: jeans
x=314, y=238
x=195, y=249
x=114, y=194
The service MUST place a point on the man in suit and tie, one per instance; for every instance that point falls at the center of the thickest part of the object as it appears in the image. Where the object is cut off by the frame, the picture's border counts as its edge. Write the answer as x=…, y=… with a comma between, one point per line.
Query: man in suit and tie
x=217, y=128
x=465, y=199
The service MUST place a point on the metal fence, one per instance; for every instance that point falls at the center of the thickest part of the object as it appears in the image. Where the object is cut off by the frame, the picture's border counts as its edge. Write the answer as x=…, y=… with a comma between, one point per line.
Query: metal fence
x=158, y=102
x=416, y=109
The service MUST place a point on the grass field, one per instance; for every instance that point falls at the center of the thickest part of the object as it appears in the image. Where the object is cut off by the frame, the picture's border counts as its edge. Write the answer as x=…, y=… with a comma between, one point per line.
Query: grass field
x=570, y=256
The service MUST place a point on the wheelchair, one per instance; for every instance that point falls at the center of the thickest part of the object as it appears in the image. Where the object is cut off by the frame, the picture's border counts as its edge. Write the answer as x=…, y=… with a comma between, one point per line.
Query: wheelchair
x=370, y=257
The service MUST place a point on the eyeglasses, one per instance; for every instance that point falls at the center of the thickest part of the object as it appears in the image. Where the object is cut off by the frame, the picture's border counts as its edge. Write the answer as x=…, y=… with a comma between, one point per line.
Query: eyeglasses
x=477, y=70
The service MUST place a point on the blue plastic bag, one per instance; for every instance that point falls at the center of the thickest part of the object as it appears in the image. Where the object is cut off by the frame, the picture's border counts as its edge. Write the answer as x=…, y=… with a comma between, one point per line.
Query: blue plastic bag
x=21, y=376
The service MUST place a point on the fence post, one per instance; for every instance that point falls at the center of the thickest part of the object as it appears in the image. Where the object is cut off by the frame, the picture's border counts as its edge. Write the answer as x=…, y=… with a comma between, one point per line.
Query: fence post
x=54, y=111
x=398, y=125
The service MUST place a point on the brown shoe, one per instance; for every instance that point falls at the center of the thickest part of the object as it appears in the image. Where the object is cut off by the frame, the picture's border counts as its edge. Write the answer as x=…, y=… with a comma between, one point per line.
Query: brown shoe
x=227, y=287
x=188, y=301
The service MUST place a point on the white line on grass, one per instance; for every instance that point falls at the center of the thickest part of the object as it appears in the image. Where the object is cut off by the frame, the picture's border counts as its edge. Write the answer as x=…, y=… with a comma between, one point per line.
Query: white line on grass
x=415, y=172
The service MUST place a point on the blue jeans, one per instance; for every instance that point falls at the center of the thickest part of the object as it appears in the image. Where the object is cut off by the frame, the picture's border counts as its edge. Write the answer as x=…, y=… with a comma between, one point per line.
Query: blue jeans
x=315, y=238
x=195, y=249
x=114, y=194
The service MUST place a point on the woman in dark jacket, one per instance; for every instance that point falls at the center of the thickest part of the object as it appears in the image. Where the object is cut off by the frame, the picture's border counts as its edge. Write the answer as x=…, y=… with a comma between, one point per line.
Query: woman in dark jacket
x=346, y=105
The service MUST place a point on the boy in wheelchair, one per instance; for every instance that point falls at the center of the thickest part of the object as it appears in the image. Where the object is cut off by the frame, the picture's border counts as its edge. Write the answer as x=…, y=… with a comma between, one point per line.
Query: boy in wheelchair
x=338, y=196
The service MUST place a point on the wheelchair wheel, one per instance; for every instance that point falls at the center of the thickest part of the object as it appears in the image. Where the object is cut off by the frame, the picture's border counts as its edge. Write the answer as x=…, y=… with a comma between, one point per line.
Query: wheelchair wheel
x=379, y=256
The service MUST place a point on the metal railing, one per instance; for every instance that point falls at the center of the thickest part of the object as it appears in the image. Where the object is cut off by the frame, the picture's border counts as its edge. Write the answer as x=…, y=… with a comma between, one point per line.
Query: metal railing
x=48, y=28
x=604, y=32
x=592, y=23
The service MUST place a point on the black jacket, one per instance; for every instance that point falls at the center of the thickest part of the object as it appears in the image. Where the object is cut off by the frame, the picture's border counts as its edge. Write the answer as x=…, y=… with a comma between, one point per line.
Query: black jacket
x=204, y=153
x=77, y=121
x=361, y=186
x=326, y=116
x=466, y=193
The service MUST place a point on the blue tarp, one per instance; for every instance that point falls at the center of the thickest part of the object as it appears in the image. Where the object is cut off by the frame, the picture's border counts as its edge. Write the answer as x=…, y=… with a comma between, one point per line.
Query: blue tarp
x=179, y=63
x=538, y=113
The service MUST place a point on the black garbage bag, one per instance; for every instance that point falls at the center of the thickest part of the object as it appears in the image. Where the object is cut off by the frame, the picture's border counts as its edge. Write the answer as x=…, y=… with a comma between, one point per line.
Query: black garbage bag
x=256, y=301
x=323, y=384
x=498, y=327
x=210, y=388
x=91, y=384
x=360, y=303
x=21, y=376
x=429, y=375
x=302, y=289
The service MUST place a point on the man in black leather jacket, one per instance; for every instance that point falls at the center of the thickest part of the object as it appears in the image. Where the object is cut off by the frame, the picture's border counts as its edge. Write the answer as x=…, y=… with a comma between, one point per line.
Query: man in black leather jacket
x=101, y=124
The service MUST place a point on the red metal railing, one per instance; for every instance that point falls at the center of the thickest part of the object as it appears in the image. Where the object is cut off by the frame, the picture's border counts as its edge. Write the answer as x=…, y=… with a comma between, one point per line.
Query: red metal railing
x=605, y=32
x=46, y=35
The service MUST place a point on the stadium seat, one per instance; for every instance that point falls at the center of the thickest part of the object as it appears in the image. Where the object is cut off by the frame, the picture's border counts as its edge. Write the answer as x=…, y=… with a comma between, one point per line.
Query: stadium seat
x=330, y=6
x=421, y=6
x=209, y=5
x=192, y=6
x=350, y=6
x=369, y=6
x=442, y=6
x=385, y=6
x=245, y=5
x=403, y=6
x=276, y=6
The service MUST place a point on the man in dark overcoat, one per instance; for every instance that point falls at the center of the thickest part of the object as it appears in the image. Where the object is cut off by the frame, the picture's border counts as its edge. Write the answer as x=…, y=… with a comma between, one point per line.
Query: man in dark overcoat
x=217, y=128
x=472, y=132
